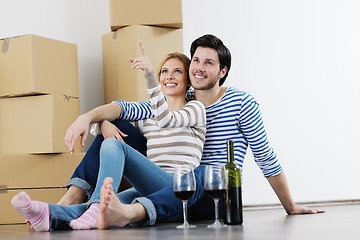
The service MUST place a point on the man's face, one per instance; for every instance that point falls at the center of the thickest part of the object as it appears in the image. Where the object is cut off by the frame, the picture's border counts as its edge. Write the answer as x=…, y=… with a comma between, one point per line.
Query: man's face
x=204, y=70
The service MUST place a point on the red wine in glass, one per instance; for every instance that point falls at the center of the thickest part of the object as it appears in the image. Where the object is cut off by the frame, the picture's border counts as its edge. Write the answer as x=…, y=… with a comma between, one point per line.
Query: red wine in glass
x=215, y=184
x=184, y=186
x=184, y=195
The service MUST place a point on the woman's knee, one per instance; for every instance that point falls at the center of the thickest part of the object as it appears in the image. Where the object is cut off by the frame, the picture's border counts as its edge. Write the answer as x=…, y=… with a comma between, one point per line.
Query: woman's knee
x=111, y=144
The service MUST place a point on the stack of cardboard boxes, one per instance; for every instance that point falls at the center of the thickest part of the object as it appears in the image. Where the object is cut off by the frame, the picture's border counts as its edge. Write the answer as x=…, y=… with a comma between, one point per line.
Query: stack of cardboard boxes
x=157, y=24
x=39, y=95
x=39, y=99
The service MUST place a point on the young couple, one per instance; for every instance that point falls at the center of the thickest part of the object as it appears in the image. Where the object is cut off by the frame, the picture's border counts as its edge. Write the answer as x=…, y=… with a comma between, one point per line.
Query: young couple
x=231, y=115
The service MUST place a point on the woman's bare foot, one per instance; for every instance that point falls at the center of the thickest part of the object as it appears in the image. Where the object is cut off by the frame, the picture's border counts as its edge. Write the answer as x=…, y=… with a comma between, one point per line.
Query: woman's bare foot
x=74, y=195
x=113, y=213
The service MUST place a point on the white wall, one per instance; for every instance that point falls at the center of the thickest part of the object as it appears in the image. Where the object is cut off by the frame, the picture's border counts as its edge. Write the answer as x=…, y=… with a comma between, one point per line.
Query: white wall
x=300, y=59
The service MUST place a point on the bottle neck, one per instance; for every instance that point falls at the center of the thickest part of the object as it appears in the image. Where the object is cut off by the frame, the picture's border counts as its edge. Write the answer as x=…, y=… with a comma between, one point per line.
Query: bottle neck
x=230, y=151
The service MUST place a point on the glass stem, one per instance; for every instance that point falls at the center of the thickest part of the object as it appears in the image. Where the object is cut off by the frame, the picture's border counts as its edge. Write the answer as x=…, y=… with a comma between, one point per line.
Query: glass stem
x=185, y=213
x=216, y=201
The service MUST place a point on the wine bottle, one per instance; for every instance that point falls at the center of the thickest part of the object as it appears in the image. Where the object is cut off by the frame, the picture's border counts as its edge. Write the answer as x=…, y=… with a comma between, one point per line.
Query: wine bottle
x=233, y=199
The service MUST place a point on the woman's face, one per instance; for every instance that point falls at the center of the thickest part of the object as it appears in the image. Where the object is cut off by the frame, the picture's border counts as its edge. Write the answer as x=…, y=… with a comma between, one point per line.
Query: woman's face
x=173, y=78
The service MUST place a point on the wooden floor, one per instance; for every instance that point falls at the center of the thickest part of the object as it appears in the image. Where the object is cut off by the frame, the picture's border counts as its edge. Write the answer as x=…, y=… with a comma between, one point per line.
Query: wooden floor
x=340, y=222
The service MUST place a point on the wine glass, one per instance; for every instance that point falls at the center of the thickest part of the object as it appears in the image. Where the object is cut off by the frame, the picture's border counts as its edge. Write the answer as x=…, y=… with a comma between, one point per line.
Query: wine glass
x=215, y=184
x=184, y=186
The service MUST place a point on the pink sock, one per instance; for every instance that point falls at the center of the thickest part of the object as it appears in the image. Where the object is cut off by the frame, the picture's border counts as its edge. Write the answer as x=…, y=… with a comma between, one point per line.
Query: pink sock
x=37, y=213
x=88, y=219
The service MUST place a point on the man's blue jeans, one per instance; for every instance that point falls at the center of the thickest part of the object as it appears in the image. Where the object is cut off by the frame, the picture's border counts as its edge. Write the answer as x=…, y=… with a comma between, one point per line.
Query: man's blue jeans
x=168, y=207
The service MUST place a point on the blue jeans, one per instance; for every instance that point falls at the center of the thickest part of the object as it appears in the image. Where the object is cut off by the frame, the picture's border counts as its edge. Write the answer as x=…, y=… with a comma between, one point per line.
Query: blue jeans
x=117, y=159
x=161, y=206
x=85, y=175
x=164, y=206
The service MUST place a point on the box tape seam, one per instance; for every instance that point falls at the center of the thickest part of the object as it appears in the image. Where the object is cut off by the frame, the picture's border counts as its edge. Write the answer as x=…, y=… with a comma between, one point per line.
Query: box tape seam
x=5, y=45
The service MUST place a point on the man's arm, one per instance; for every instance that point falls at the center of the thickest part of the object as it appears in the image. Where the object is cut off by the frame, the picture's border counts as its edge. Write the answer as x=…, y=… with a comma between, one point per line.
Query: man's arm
x=80, y=127
x=281, y=188
x=110, y=112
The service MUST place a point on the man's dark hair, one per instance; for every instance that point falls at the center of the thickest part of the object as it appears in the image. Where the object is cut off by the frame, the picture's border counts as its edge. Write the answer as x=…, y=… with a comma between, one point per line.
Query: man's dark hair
x=211, y=41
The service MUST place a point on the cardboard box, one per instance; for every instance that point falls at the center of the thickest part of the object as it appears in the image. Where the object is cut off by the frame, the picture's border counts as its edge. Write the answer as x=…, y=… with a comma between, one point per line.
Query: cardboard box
x=120, y=80
x=36, y=124
x=42, y=176
x=31, y=64
x=163, y=13
x=21, y=171
x=8, y=214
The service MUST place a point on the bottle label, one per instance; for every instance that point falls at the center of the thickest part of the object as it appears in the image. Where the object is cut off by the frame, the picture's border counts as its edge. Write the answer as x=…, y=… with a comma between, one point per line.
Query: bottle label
x=234, y=177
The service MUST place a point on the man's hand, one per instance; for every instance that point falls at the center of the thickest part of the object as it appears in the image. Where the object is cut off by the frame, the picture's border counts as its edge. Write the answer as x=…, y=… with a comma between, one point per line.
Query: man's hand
x=303, y=210
x=281, y=188
x=78, y=129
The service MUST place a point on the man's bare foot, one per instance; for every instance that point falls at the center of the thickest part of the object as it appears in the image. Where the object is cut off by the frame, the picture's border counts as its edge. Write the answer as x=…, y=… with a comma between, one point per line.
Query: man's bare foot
x=74, y=195
x=113, y=213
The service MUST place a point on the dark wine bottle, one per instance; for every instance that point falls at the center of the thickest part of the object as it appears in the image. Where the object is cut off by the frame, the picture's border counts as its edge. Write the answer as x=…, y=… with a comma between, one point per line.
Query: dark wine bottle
x=233, y=200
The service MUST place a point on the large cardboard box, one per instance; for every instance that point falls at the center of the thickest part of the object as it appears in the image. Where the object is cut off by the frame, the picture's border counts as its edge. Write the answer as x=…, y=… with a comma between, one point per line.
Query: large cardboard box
x=36, y=124
x=22, y=171
x=120, y=80
x=162, y=13
x=31, y=64
x=8, y=214
x=42, y=176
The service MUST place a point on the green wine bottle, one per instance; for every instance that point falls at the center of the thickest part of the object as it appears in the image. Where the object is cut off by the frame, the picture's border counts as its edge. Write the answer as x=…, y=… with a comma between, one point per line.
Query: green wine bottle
x=233, y=199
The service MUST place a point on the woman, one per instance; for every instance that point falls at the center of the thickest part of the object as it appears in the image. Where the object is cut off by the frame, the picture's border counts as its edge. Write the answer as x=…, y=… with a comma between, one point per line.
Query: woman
x=175, y=136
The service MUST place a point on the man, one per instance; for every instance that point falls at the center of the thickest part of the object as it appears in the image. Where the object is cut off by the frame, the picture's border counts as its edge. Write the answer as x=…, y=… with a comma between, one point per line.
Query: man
x=231, y=115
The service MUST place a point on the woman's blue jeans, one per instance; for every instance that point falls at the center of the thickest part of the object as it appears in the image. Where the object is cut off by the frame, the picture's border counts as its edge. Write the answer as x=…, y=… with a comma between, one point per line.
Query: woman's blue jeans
x=85, y=175
x=161, y=206
x=117, y=160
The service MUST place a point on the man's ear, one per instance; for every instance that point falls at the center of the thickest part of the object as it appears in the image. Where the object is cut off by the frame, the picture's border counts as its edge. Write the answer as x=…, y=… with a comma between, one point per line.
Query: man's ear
x=223, y=71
